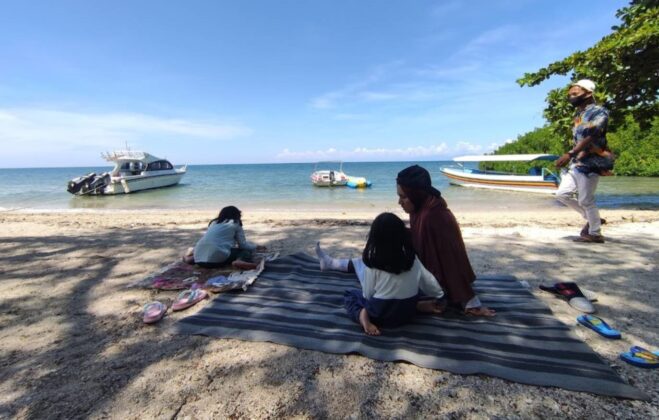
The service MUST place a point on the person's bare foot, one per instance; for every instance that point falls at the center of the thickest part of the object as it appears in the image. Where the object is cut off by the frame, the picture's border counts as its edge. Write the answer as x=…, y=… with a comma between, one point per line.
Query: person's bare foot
x=365, y=321
x=480, y=311
x=243, y=265
x=430, y=307
x=188, y=257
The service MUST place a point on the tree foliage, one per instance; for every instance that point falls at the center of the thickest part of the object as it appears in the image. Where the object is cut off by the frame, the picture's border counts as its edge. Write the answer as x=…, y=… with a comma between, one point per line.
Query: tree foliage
x=540, y=140
x=623, y=64
x=625, y=67
x=637, y=149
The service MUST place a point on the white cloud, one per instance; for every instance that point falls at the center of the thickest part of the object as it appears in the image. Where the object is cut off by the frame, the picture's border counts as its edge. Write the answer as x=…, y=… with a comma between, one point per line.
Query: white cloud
x=32, y=137
x=487, y=63
x=441, y=150
x=42, y=128
x=357, y=90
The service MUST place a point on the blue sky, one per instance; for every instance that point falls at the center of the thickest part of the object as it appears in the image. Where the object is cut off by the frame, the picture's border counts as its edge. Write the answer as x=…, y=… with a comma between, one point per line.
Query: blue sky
x=203, y=82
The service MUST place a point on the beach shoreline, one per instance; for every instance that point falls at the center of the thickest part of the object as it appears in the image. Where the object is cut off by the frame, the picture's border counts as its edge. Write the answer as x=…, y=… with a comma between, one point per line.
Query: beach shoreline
x=72, y=343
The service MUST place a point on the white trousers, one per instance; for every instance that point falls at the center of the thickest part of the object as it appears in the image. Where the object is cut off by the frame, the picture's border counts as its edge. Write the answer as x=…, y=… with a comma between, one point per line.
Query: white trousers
x=584, y=186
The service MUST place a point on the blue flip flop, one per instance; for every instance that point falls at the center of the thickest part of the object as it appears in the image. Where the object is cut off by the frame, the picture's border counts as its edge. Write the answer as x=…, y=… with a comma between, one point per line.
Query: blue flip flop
x=640, y=357
x=598, y=325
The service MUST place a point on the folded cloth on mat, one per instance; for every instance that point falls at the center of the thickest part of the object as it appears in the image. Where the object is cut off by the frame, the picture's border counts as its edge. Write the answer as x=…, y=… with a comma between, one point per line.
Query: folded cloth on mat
x=180, y=275
x=296, y=304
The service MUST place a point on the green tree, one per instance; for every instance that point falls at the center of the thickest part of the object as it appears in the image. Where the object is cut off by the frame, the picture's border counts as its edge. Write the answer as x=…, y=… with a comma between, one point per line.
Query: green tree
x=624, y=64
x=540, y=140
x=625, y=67
x=637, y=149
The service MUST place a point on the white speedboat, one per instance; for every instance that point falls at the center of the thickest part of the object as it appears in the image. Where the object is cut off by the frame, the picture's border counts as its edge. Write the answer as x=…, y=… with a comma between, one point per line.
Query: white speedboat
x=329, y=177
x=538, y=180
x=133, y=171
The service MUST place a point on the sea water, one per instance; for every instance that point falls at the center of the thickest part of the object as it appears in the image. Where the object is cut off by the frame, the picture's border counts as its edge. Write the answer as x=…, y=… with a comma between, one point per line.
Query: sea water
x=280, y=187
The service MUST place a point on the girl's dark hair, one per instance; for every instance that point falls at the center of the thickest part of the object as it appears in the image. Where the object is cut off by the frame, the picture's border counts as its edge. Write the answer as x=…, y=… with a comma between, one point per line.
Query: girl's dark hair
x=389, y=245
x=228, y=213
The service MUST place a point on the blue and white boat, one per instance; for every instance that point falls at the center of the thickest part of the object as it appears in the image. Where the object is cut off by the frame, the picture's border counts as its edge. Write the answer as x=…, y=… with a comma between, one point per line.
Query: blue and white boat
x=538, y=180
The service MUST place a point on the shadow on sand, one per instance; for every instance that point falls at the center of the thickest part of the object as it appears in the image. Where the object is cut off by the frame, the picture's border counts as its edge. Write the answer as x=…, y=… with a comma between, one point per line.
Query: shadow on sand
x=74, y=346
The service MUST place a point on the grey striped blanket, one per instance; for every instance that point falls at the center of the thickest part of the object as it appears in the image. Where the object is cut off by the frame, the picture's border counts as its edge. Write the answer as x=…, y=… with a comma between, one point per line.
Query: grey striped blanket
x=294, y=303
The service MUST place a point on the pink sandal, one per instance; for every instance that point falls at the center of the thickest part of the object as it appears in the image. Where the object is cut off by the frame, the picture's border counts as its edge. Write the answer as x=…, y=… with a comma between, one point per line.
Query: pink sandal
x=188, y=298
x=153, y=312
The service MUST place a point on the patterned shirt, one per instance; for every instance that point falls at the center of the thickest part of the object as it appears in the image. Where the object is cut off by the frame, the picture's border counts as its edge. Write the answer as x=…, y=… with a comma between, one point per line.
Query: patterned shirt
x=591, y=122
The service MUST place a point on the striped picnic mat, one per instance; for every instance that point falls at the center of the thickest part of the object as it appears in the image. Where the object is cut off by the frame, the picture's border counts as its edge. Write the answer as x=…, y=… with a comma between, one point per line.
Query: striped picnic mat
x=294, y=303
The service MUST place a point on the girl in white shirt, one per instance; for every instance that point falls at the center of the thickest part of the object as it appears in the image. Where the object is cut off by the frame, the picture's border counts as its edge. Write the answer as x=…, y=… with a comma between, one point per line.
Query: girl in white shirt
x=391, y=276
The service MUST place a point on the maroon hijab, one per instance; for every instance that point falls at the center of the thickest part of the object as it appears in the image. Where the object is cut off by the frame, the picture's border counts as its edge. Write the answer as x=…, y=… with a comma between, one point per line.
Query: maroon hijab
x=436, y=236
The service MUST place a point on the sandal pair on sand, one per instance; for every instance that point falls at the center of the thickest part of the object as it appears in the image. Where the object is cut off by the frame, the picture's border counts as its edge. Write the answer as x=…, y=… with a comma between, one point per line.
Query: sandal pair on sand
x=155, y=311
x=636, y=356
x=577, y=298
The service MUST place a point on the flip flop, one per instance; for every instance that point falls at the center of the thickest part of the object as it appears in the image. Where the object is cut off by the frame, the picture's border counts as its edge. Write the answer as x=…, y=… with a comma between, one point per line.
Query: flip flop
x=640, y=357
x=588, y=294
x=153, y=312
x=188, y=298
x=599, y=326
x=574, y=296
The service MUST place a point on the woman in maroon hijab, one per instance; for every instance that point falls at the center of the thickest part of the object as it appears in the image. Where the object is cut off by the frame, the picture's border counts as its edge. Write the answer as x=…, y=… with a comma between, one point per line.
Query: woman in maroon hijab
x=437, y=239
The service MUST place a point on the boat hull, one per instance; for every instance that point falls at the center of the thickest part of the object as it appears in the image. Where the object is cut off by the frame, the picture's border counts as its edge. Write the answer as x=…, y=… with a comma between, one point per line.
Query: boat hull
x=131, y=184
x=329, y=179
x=509, y=182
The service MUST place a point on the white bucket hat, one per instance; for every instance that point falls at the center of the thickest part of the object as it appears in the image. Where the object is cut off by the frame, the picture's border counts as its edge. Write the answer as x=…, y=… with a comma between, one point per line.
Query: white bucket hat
x=586, y=84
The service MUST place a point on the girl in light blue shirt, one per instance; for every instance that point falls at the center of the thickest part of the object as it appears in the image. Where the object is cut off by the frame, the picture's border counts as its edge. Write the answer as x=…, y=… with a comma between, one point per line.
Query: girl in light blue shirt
x=224, y=242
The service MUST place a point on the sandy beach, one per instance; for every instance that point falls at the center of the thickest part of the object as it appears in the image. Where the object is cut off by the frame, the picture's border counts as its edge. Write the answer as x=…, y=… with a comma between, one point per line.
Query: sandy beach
x=72, y=344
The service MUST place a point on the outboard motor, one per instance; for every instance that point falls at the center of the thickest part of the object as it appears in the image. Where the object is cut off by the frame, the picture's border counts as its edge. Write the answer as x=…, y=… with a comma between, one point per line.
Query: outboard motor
x=89, y=184
x=76, y=184
x=98, y=183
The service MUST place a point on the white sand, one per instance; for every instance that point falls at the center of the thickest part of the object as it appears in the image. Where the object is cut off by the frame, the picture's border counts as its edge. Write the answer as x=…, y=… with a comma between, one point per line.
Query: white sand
x=72, y=344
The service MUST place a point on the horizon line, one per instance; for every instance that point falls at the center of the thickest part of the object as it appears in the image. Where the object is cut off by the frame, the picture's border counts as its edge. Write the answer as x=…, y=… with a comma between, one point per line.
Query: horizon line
x=244, y=163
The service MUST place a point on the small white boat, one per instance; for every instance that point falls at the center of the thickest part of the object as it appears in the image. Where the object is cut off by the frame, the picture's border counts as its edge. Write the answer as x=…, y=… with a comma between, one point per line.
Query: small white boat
x=133, y=171
x=329, y=177
x=538, y=180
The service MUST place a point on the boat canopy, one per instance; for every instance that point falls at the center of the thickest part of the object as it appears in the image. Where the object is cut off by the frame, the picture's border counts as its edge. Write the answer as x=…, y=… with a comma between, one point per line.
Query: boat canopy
x=505, y=158
x=123, y=155
x=329, y=162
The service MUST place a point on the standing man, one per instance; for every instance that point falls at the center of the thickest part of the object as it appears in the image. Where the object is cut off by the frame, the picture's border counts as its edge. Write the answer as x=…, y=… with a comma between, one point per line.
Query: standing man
x=588, y=159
